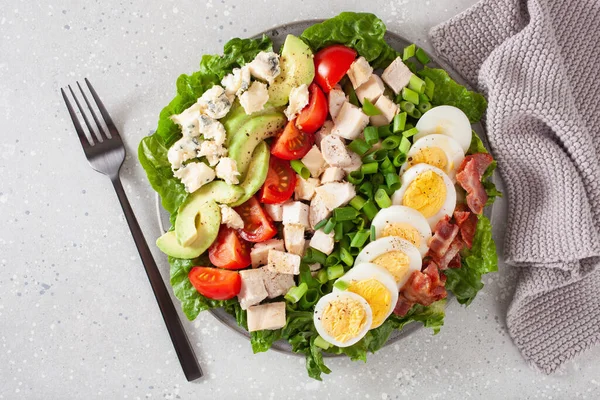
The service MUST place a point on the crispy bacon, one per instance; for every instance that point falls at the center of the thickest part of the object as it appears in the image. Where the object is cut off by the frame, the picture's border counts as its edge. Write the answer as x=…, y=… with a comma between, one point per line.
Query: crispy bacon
x=444, y=234
x=445, y=260
x=469, y=177
x=423, y=287
x=455, y=262
x=467, y=222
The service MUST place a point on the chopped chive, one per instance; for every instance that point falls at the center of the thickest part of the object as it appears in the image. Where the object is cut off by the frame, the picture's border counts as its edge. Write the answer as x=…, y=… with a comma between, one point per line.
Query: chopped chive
x=333, y=259
x=410, y=132
x=345, y=214
x=359, y=146
x=320, y=224
x=329, y=226
x=391, y=142
x=373, y=233
x=296, y=292
x=314, y=256
x=300, y=168
x=370, y=109
x=369, y=168
x=422, y=56
x=384, y=131
x=339, y=232
x=429, y=88
x=399, y=122
x=309, y=299
x=322, y=276
x=370, y=209
x=399, y=159
x=340, y=284
x=404, y=145
x=322, y=343
x=346, y=257
x=407, y=106
x=349, y=90
x=387, y=166
x=367, y=189
x=356, y=177
x=424, y=106
x=382, y=199
x=371, y=135
x=357, y=202
x=408, y=52
x=335, y=272
x=360, y=238
x=417, y=84
x=416, y=114
x=410, y=95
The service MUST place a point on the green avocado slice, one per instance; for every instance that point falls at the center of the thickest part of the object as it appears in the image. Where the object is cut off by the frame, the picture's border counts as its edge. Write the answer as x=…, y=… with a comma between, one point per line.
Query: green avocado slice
x=257, y=173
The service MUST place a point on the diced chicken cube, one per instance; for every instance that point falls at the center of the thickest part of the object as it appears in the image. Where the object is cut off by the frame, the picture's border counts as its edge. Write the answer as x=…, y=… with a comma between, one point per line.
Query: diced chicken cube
x=350, y=122
x=293, y=235
x=323, y=132
x=335, y=194
x=359, y=71
x=298, y=100
x=355, y=163
x=388, y=109
x=313, y=160
x=314, y=267
x=371, y=89
x=260, y=252
x=318, y=211
x=284, y=263
x=253, y=289
x=295, y=212
x=332, y=174
x=275, y=211
x=396, y=75
x=334, y=151
x=266, y=316
x=230, y=217
x=195, y=175
x=255, y=98
x=305, y=188
x=322, y=241
x=265, y=66
x=336, y=99
x=277, y=284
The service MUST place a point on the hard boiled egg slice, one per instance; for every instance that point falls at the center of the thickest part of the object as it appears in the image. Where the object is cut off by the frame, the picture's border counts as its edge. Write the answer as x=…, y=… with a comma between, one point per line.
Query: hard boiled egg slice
x=342, y=318
x=403, y=222
x=428, y=190
x=441, y=151
x=376, y=285
x=446, y=120
x=394, y=254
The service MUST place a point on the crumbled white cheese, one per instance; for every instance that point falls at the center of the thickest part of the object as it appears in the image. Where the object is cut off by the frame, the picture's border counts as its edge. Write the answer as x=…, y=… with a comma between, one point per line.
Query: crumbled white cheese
x=227, y=170
x=212, y=151
x=255, y=98
x=182, y=150
x=195, y=175
x=231, y=218
x=215, y=103
x=188, y=120
x=298, y=100
x=212, y=129
x=237, y=82
x=265, y=66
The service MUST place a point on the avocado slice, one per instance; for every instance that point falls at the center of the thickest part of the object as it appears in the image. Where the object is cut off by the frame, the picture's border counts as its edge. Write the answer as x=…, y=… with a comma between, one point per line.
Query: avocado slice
x=207, y=228
x=237, y=117
x=259, y=165
x=250, y=135
x=216, y=191
x=297, y=68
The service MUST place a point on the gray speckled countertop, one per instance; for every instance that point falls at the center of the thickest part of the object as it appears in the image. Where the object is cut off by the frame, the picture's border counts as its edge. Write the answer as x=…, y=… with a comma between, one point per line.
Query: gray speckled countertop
x=77, y=316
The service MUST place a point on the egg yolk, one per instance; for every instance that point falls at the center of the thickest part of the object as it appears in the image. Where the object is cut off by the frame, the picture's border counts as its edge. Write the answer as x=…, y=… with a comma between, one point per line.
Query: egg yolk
x=426, y=194
x=403, y=230
x=344, y=319
x=395, y=261
x=429, y=155
x=376, y=294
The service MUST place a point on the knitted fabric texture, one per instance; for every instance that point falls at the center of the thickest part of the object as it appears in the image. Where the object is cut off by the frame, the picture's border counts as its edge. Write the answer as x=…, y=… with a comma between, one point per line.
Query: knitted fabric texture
x=538, y=65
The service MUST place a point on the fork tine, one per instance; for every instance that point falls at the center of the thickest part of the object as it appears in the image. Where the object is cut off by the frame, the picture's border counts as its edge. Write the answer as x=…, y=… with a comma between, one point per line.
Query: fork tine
x=85, y=118
x=85, y=142
x=107, y=119
x=101, y=135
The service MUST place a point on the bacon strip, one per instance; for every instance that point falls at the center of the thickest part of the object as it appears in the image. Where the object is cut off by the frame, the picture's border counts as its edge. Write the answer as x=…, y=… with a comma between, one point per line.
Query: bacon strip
x=467, y=222
x=444, y=234
x=423, y=287
x=446, y=259
x=469, y=177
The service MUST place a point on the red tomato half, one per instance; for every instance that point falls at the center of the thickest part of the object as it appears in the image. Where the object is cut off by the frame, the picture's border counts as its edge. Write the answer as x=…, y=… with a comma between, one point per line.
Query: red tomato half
x=258, y=226
x=216, y=284
x=280, y=183
x=331, y=64
x=313, y=116
x=292, y=143
x=229, y=251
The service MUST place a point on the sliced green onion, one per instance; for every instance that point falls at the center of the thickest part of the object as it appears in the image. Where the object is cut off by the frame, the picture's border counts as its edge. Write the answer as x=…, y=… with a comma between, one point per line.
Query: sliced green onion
x=387, y=166
x=399, y=159
x=408, y=126
x=408, y=52
x=360, y=222
x=370, y=109
x=424, y=106
x=423, y=98
x=322, y=276
x=392, y=180
x=411, y=96
x=329, y=226
x=384, y=131
x=335, y=272
x=349, y=90
x=320, y=224
x=360, y=238
x=314, y=256
x=341, y=285
x=322, y=343
x=399, y=122
x=404, y=145
x=382, y=199
x=369, y=168
x=410, y=132
x=367, y=189
x=412, y=66
x=377, y=179
x=391, y=142
x=359, y=146
x=338, y=231
x=429, y=88
x=345, y=214
x=296, y=292
x=422, y=56
x=371, y=135
x=356, y=177
x=300, y=168
x=346, y=257
x=416, y=114
x=407, y=106
x=370, y=209
x=310, y=299
x=332, y=259
x=357, y=202
x=373, y=233
x=417, y=84
x=348, y=226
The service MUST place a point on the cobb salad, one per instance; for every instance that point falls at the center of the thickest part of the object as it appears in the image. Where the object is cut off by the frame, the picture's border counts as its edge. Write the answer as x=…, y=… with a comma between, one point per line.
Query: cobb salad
x=325, y=194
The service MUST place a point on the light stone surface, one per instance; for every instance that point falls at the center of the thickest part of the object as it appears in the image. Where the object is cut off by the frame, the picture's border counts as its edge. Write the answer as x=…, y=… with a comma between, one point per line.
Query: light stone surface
x=77, y=316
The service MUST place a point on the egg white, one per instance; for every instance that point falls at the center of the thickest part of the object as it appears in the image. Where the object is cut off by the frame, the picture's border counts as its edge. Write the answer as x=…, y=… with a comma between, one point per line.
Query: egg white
x=451, y=148
x=386, y=245
x=328, y=298
x=402, y=214
x=411, y=174
x=446, y=120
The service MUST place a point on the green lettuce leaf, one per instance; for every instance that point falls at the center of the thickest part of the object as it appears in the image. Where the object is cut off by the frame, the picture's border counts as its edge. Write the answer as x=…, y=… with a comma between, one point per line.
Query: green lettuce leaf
x=449, y=92
x=263, y=340
x=481, y=259
x=362, y=31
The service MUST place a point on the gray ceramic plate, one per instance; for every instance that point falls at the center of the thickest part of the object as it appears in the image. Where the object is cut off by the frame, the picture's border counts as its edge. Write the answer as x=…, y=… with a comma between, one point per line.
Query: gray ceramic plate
x=278, y=35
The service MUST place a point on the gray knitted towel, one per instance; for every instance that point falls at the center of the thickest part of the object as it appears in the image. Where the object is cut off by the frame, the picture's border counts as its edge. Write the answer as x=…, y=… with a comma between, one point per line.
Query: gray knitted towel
x=538, y=63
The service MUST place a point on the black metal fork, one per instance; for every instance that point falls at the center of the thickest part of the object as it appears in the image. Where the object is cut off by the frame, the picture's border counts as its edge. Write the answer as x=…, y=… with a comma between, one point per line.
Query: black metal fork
x=106, y=153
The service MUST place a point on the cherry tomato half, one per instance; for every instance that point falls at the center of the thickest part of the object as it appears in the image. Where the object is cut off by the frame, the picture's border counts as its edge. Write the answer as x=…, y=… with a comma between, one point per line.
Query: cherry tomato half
x=292, y=143
x=216, y=284
x=229, y=251
x=331, y=64
x=258, y=226
x=280, y=182
x=313, y=116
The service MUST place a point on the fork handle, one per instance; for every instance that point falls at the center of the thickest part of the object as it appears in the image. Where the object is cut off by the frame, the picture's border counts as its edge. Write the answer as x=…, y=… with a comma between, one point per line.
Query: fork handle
x=182, y=345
